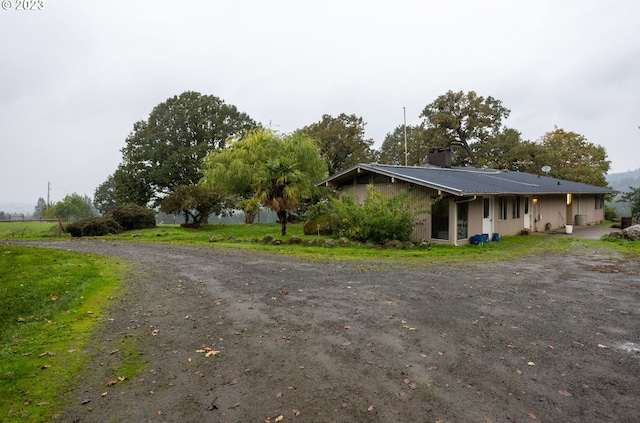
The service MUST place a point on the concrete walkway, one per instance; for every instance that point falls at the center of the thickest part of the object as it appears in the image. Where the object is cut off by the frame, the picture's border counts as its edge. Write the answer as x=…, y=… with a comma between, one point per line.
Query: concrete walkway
x=591, y=232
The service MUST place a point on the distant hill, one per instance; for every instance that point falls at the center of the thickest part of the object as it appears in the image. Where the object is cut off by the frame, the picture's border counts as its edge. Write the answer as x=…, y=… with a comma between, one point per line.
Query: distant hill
x=622, y=181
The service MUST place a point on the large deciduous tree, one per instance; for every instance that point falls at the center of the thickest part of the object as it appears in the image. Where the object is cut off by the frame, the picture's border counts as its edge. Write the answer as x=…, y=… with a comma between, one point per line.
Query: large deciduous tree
x=573, y=158
x=73, y=207
x=276, y=170
x=167, y=149
x=460, y=119
x=342, y=141
x=507, y=150
x=419, y=141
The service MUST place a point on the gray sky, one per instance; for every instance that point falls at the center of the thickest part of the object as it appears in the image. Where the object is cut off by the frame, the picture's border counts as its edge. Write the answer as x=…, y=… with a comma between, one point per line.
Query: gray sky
x=76, y=75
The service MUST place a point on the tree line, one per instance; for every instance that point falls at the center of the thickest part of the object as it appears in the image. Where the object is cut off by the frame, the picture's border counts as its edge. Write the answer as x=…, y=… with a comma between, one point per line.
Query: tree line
x=198, y=155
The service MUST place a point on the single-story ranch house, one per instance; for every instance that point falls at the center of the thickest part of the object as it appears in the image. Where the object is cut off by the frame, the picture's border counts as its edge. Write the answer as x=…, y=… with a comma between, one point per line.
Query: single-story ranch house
x=465, y=201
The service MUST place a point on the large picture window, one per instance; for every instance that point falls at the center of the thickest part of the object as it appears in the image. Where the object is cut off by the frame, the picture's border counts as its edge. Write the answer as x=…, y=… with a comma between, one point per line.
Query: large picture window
x=440, y=219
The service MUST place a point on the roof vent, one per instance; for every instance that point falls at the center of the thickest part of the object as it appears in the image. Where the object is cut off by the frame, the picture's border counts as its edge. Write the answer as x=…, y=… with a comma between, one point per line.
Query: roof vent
x=439, y=156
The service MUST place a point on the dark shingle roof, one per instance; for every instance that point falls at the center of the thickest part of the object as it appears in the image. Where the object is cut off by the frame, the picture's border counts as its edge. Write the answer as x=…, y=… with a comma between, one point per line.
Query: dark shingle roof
x=472, y=181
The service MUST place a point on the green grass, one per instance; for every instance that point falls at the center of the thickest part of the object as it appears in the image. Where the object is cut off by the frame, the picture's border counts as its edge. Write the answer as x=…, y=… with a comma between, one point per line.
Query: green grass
x=29, y=230
x=250, y=236
x=51, y=301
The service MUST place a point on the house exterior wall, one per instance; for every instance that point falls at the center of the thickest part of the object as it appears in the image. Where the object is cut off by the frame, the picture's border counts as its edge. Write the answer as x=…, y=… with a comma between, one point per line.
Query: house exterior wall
x=590, y=206
x=549, y=209
x=422, y=227
x=542, y=210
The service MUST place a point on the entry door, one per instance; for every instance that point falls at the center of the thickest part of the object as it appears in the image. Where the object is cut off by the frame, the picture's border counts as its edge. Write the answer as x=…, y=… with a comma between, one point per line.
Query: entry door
x=487, y=215
x=527, y=212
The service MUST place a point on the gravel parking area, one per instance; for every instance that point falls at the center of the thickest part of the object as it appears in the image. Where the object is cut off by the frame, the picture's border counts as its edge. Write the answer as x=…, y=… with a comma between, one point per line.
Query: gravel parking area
x=238, y=336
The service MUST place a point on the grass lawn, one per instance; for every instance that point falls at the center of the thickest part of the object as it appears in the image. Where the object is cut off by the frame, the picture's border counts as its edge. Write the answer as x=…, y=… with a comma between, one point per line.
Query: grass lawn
x=51, y=301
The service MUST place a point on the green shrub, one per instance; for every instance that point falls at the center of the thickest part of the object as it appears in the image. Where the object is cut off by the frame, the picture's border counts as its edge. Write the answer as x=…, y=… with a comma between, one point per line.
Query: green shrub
x=319, y=225
x=93, y=226
x=378, y=220
x=132, y=217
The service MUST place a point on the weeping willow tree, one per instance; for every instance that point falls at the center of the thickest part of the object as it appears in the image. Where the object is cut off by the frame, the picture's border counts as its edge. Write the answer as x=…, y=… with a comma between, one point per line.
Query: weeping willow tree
x=265, y=167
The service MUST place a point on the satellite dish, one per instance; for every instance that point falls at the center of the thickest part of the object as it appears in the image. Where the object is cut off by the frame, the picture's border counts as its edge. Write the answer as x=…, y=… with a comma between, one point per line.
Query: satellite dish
x=546, y=169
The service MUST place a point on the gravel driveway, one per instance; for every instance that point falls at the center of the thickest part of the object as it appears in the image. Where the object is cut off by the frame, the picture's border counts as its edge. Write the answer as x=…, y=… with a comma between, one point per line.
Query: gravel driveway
x=237, y=336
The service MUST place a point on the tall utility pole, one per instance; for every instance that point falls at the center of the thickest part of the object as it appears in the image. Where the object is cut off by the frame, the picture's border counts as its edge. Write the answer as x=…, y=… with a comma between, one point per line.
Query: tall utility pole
x=48, y=193
x=404, y=111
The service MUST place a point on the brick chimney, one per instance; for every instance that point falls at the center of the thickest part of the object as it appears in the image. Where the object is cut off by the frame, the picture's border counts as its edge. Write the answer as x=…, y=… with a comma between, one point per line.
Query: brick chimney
x=439, y=156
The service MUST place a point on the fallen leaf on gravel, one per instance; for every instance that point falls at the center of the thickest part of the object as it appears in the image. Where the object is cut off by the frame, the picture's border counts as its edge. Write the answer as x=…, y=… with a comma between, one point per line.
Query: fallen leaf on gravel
x=155, y=332
x=208, y=352
x=85, y=401
x=532, y=416
x=284, y=292
x=519, y=372
x=104, y=394
x=603, y=346
x=565, y=393
x=370, y=408
x=279, y=418
x=551, y=347
x=431, y=368
x=160, y=412
x=112, y=382
x=296, y=413
x=531, y=363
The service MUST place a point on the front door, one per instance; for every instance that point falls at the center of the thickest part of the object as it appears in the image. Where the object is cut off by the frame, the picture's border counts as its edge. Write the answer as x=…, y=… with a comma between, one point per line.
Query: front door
x=487, y=215
x=527, y=212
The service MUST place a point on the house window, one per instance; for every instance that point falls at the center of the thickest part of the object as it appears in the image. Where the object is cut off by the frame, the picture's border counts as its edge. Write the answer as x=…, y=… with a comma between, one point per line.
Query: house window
x=504, y=203
x=486, y=207
x=440, y=219
x=599, y=201
x=515, y=213
x=462, y=210
x=381, y=179
x=363, y=179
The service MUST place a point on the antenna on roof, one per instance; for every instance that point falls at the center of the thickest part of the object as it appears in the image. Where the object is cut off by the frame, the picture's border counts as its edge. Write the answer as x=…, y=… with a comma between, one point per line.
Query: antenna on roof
x=406, y=154
x=546, y=169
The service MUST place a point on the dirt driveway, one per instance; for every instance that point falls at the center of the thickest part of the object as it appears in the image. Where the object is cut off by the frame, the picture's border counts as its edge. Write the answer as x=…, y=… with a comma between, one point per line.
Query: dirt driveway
x=543, y=338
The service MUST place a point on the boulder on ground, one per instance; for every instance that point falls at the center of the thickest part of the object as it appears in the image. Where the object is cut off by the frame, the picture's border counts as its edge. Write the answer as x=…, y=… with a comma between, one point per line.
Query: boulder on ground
x=294, y=240
x=632, y=233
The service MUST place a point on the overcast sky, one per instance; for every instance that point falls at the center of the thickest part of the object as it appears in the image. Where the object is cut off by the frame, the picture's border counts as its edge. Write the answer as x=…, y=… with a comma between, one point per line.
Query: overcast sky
x=76, y=75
